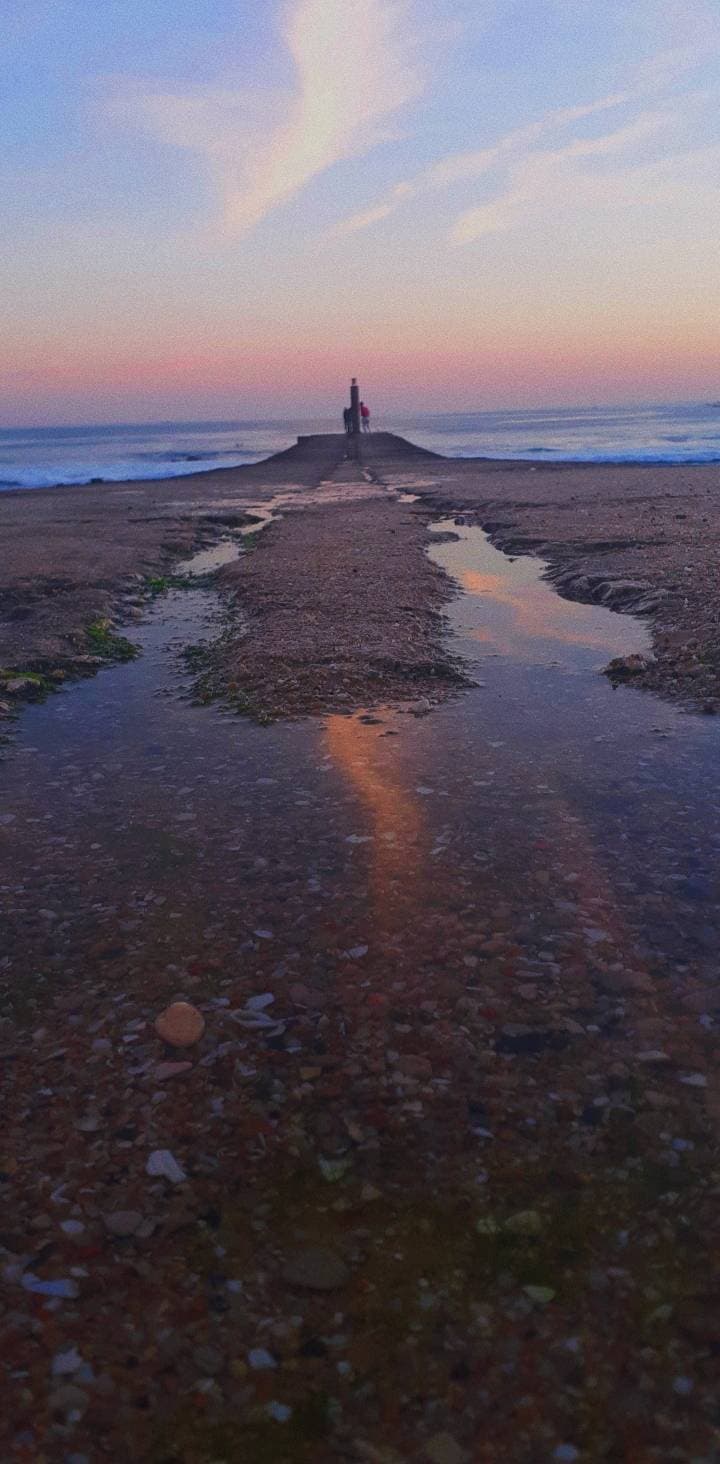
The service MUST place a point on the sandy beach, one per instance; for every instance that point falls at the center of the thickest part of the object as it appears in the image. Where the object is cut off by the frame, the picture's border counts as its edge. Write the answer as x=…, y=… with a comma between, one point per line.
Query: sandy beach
x=642, y=540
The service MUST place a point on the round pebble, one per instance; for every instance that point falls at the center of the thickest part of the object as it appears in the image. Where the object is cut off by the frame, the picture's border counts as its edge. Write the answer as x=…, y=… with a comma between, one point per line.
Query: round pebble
x=180, y=1024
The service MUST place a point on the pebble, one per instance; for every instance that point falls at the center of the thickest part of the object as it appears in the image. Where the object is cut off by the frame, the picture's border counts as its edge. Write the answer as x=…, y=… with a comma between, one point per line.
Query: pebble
x=316, y=1269
x=260, y=1360
x=526, y=1222
x=180, y=1024
x=123, y=1222
x=166, y=1070
x=279, y=1411
x=63, y=1287
x=540, y=1294
x=72, y=1227
x=162, y=1164
x=66, y=1363
x=442, y=1448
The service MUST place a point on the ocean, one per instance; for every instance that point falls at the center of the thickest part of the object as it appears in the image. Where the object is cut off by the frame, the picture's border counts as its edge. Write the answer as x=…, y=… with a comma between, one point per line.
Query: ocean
x=44, y=457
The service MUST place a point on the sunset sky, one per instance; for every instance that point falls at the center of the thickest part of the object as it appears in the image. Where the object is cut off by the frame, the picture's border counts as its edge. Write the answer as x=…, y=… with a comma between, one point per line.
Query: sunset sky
x=227, y=208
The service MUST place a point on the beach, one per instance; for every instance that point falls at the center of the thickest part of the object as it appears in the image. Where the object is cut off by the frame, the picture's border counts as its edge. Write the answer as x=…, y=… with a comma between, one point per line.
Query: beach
x=641, y=539
x=427, y=1172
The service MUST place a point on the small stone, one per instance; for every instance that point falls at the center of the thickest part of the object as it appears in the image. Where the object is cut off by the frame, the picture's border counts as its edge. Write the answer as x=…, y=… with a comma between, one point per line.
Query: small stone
x=67, y=1362
x=695, y=1080
x=180, y=1024
x=73, y=1228
x=442, y=1448
x=260, y=1360
x=526, y=1222
x=279, y=1411
x=369, y=1192
x=63, y=1287
x=566, y=1454
x=540, y=1294
x=21, y=686
x=414, y=1067
x=316, y=1269
x=162, y=1164
x=122, y=1222
x=166, y=1070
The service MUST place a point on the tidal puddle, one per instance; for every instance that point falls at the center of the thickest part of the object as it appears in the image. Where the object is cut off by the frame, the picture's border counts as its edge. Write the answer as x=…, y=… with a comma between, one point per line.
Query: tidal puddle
x=509, y=610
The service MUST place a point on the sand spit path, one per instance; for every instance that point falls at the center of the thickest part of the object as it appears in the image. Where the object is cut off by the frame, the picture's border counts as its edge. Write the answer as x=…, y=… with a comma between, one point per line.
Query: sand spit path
x=341, y=608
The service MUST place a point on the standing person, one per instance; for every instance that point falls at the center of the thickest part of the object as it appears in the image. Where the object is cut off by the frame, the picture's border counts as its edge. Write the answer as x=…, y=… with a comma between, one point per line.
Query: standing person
x=365, y=416
x=347, y=419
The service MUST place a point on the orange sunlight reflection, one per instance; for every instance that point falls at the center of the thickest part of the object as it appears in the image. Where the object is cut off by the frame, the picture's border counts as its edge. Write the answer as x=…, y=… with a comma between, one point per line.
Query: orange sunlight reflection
x=399, y=851
x=534, y=614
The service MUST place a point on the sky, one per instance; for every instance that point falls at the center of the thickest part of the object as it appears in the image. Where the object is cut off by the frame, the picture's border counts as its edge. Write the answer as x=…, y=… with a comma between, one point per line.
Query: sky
x=228, y=209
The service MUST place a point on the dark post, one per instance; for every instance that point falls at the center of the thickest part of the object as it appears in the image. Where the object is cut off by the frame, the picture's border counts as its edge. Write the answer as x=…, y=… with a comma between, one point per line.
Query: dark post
x=355, y=404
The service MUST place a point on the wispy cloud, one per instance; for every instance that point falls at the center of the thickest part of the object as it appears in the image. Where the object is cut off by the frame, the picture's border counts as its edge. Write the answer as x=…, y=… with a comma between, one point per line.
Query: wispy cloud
x=693, y=28
x=261, y=150
x=467, y=166
x=553, y=174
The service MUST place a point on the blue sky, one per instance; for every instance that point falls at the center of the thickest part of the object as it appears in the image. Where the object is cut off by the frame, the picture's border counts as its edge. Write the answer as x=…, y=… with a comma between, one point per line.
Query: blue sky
x=222, y=206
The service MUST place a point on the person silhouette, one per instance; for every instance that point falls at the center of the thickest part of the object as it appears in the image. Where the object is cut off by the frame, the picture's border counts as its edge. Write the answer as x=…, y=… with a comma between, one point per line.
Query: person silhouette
x=365, y=416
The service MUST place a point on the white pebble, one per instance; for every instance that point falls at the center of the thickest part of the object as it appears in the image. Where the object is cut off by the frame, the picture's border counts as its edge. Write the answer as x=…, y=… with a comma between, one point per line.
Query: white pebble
x=162, y=1164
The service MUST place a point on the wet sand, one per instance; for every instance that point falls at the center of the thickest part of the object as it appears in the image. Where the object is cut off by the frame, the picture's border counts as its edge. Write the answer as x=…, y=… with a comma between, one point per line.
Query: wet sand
x=446, y=1156
x=643, y=540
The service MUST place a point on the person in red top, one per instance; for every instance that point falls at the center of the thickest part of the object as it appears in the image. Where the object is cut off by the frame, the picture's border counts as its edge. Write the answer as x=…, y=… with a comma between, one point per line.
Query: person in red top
x=365, y=414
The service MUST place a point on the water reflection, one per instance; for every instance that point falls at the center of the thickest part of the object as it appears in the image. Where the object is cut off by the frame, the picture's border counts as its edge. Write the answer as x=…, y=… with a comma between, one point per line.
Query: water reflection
x=399, y=840
x=519, y=613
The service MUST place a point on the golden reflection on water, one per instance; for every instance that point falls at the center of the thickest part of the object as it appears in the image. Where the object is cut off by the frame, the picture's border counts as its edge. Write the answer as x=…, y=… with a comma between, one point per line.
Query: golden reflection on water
x=398, y=853
x=535, y=613
x=407, y=887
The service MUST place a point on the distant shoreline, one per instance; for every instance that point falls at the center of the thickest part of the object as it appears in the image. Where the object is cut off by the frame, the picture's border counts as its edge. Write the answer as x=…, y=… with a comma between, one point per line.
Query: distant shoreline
x=686, y=434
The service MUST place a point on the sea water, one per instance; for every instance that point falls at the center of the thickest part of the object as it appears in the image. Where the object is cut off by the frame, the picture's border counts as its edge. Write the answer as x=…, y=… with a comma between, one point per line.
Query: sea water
x=42, y=457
